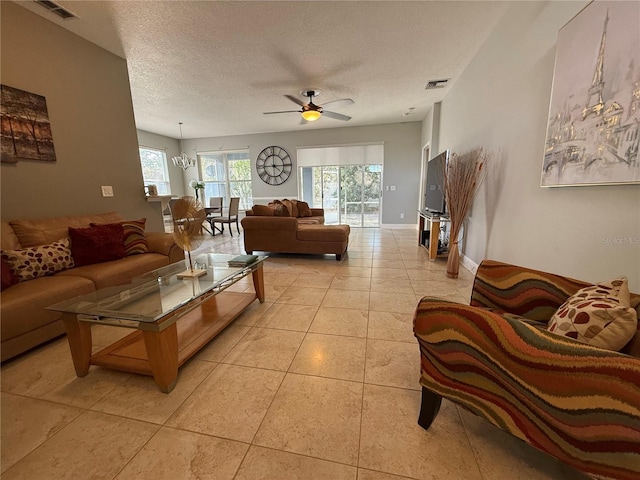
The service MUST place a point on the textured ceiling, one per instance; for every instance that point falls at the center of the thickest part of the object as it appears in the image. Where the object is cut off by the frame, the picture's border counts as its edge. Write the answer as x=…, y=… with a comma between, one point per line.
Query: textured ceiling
x=216, y=66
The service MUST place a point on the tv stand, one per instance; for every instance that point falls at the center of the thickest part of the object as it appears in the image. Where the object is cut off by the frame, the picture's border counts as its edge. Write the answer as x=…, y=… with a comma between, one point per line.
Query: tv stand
x=431, y=244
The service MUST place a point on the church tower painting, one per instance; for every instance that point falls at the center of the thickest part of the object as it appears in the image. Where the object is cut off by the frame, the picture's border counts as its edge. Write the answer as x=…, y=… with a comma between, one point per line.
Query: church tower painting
x=595, y=103
x=593, y=127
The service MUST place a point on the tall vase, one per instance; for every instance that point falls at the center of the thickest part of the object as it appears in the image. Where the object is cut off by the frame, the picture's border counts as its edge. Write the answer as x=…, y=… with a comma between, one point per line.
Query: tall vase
x=453, y=261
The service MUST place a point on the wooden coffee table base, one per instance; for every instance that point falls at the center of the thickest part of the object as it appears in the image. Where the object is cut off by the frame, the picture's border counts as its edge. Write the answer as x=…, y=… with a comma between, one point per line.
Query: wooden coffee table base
x=160, y=353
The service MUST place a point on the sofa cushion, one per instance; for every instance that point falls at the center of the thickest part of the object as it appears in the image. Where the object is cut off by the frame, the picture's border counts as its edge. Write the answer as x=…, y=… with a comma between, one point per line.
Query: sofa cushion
x=23, y=305
x=46, y=230
x=263, y=211
x=135, y=241
x=8, y=277
x=97, y=244
x=118, y=272
x=9, y=239
x=291, y=206
x=599, y=315
x=279, y=209
x=310, y=221
x=34, y=262
x=303, y=209
x=323, y=233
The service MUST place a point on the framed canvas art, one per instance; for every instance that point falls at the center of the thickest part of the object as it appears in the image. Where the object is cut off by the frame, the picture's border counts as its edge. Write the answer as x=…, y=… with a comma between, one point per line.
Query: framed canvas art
x=593, y=130
x=25, y=127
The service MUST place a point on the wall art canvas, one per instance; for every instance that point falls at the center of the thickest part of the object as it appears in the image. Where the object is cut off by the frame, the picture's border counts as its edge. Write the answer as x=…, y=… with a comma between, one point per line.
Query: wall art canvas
x=593, y=130
x=25, y=128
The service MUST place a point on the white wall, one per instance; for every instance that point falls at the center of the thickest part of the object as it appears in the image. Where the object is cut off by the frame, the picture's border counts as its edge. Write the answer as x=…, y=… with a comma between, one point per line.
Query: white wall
x=401, y=168
x=171, y=147
x=501, y=102
x=91, y=115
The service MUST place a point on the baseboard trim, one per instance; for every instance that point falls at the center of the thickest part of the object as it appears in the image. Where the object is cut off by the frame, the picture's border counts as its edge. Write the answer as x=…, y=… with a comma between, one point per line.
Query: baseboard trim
x=469, y=264
x=400, y=226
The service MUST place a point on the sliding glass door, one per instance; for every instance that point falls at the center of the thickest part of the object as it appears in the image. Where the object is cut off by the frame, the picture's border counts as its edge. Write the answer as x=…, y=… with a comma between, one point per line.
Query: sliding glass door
x=349, y=194
x=371, y=195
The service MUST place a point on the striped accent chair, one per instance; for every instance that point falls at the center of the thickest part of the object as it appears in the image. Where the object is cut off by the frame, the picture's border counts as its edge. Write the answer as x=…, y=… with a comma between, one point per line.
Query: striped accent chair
x=494, y=357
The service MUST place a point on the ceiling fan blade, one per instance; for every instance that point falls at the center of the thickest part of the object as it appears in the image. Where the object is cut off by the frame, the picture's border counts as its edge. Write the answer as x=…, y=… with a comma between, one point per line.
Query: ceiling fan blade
x=337, y=116
x=343, y=102
x=295, y=100
x=284, y=111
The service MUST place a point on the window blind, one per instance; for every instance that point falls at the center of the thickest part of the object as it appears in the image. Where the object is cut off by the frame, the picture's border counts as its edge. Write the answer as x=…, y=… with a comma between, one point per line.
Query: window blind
x=372, y=154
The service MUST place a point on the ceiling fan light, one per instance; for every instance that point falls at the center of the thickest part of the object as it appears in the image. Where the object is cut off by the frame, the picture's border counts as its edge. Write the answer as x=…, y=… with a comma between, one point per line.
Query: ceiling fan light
x=311, y=115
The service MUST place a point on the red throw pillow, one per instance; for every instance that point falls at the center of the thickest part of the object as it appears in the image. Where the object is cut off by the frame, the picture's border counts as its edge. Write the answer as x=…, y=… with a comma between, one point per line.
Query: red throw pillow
x=135, y=241
x=97, y=244
x=8, y=277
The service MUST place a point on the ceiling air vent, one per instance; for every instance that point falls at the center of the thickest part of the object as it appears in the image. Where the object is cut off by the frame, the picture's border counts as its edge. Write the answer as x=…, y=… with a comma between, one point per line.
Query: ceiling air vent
x=436, y=84
x=56, y=9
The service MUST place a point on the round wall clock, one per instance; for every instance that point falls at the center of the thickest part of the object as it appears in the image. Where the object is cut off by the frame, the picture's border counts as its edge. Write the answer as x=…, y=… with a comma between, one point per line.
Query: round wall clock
x=274, y=165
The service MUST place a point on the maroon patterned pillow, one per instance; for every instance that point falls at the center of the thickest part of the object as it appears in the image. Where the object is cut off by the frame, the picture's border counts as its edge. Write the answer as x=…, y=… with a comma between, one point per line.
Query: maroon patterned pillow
x=135, y=242
x=97, y=244
x=8, y=277
x=34, y=262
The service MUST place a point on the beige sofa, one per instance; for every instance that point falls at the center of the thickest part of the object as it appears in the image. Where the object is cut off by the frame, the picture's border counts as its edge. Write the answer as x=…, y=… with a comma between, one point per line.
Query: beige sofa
x=24, y=321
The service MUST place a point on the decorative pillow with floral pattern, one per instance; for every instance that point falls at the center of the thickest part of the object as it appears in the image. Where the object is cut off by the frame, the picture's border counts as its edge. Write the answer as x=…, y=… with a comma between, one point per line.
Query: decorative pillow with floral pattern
x=34, y=262
x=600, y=315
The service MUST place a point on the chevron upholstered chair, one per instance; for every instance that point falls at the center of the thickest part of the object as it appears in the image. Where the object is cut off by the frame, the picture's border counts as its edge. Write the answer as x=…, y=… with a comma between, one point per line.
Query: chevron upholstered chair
x=494, y=357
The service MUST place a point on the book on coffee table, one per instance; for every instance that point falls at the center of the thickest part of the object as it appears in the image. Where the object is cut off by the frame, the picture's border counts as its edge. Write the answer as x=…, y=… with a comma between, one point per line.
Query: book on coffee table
x=242, y=260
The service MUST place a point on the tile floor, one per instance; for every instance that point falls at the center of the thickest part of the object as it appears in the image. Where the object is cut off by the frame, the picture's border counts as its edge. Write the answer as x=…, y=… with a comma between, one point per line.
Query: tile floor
x=319, y=382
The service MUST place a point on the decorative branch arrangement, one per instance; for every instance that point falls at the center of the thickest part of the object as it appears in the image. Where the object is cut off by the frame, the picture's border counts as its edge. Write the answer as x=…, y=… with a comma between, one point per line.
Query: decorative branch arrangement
x=464, y=174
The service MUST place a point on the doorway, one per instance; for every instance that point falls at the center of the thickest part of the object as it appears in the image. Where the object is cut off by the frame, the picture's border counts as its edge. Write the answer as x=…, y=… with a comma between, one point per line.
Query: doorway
x=349, y=194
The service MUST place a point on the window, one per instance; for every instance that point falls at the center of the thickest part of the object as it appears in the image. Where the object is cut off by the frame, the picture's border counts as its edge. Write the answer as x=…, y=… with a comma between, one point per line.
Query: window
x=344, y=180
x=226, y=175
x=154, y=169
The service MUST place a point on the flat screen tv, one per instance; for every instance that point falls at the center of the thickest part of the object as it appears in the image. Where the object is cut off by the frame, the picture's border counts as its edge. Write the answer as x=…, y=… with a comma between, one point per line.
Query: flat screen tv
x=434, y=200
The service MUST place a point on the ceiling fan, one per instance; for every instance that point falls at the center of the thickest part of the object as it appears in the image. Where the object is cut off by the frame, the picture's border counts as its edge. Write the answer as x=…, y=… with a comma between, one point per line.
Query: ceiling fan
x=311, y=112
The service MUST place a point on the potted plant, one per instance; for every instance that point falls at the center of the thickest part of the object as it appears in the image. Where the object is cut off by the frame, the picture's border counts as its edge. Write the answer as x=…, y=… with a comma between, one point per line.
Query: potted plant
x=198, y=185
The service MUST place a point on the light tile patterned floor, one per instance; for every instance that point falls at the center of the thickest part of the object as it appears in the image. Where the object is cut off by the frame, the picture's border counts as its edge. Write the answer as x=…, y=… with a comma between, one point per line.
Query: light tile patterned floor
x=319, y=382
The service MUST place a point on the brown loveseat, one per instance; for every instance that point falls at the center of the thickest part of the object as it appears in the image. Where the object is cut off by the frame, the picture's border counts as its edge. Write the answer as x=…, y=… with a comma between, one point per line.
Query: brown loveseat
x=270, y=233
x=24, y=321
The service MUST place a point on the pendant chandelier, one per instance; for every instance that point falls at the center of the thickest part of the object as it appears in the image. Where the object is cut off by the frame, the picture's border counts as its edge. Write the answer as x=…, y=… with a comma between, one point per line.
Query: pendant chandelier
x=182, y=160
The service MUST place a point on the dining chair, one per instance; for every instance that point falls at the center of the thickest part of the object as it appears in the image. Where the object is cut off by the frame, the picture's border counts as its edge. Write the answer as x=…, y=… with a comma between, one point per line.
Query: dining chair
x=231, y=217
x=214, y=210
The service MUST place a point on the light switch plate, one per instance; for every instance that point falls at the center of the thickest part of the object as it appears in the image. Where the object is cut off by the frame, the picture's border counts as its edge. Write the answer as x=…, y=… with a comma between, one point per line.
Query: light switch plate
x=393, y=188
x=107, y=190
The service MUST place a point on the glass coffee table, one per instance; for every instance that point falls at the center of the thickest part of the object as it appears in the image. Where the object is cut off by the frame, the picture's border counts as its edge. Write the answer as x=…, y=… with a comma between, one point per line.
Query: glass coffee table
x=172, y=317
